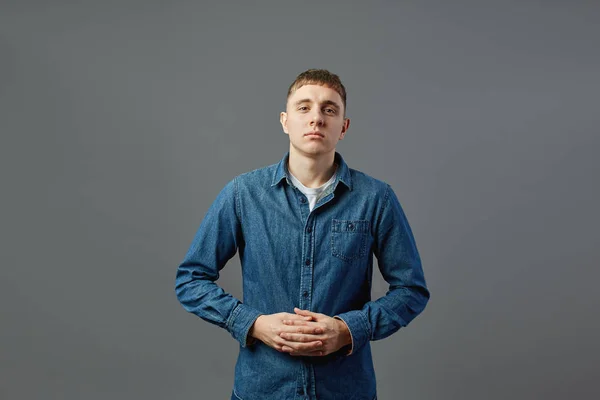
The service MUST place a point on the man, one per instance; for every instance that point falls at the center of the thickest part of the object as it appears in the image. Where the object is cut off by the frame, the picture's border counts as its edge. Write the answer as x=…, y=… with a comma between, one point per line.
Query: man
x=306, y=230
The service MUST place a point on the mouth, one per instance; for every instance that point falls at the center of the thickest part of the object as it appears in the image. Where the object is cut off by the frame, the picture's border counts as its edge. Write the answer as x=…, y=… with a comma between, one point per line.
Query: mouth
x=314, y=134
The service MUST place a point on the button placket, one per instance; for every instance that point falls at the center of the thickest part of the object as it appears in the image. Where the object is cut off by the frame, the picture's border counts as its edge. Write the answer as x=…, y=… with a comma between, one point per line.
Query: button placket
x=306, y=272
x=303, y=204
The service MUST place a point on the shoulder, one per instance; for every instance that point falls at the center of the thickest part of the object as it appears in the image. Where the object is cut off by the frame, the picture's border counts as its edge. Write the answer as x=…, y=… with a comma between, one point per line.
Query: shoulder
x=374, y=191
x=368, y=185
x=256, y=179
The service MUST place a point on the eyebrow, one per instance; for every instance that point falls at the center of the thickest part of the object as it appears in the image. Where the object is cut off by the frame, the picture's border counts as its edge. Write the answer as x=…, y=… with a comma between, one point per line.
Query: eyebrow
x=326, y=102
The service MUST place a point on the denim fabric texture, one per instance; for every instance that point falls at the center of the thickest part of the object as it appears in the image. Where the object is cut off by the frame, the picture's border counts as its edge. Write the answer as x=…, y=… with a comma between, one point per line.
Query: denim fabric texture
x=320, y=261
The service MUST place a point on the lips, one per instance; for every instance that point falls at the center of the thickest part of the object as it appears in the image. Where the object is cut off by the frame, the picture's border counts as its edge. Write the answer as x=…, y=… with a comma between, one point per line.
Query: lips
x=314, y=134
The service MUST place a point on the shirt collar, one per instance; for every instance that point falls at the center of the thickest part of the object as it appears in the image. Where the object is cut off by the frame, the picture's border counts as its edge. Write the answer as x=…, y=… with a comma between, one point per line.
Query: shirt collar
x=343, y=172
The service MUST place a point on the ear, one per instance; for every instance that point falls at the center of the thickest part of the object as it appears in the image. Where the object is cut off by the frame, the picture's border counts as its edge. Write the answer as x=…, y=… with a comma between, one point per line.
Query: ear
x=345, y=128
x=283, y=121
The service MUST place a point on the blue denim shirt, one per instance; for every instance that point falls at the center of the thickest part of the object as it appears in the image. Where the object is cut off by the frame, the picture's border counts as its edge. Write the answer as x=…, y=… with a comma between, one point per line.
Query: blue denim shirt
x=320, y=261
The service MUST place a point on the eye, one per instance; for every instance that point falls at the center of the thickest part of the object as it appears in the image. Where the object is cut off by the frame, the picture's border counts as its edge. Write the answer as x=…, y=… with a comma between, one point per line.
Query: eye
x=330, y=111
x=302, y=108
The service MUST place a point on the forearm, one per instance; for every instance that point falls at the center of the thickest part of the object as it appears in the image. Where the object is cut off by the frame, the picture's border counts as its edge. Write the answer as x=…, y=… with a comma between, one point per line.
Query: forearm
x=380, y=318
x=204, y=298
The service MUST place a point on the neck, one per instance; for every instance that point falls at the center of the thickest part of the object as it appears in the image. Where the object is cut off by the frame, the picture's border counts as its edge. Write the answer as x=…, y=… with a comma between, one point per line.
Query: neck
x=312, y=171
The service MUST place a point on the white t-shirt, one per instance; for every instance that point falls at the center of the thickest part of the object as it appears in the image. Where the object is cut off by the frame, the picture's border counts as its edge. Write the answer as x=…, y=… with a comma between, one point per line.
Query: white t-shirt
x=313, y=194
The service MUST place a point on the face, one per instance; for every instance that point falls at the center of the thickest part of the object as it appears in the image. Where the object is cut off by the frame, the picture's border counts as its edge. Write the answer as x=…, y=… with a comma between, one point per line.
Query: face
x=314, y=120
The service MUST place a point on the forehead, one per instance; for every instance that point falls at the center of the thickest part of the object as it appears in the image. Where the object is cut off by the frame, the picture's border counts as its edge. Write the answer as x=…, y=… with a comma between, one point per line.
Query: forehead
x=315, y=93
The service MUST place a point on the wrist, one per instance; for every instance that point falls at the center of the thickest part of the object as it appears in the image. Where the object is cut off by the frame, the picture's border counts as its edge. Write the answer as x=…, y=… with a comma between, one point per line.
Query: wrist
x=344, y=332
x=254, y=330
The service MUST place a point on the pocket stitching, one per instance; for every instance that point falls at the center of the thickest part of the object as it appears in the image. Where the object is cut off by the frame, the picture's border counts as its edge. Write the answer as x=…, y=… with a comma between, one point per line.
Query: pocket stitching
x=363, y=231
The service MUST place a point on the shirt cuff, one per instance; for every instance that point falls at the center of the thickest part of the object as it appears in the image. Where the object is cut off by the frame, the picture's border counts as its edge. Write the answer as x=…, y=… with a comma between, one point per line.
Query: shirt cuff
x=347, y=349
x=359, y=328
x=240, y=321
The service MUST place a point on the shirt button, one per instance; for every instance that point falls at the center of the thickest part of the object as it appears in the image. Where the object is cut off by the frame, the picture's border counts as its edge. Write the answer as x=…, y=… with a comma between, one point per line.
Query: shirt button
x=309, y=229
x=305, y=294
x=307, y=262
x=300, y=391
x=302, y=200
x=351, y=226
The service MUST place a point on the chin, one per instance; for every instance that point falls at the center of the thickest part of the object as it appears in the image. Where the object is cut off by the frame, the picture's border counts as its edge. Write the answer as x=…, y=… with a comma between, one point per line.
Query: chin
x=313, y=149
x=315, y=152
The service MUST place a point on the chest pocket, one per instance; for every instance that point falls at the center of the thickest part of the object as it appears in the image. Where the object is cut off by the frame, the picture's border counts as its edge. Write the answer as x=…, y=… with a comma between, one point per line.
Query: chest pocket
x=349, y=238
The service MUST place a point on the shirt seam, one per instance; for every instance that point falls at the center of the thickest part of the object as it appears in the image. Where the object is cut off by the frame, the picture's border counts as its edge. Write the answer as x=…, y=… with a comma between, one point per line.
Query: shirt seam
x=386, y=201
x=236, y=200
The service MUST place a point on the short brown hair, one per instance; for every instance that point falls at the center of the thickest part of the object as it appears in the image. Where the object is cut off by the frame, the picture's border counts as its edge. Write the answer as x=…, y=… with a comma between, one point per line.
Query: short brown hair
x=319, y=77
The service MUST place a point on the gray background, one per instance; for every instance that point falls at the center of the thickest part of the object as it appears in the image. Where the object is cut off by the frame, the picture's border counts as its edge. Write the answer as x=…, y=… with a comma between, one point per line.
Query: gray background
x=122, y=120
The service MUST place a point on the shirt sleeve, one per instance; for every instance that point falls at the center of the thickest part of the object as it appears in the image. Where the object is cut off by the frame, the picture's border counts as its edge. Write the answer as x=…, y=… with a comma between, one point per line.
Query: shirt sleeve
x=400, y=266
x=215, y=243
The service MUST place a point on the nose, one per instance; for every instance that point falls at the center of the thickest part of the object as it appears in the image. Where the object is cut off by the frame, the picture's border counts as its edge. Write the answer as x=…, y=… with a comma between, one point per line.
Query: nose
x=317, y=118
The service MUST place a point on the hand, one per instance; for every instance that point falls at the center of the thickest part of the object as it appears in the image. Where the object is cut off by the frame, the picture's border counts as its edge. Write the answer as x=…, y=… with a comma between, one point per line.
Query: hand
x=334, y=336
x=267, y=329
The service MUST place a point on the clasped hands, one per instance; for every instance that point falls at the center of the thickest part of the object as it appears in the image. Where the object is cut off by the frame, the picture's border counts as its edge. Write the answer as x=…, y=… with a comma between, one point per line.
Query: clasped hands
x=304, y=333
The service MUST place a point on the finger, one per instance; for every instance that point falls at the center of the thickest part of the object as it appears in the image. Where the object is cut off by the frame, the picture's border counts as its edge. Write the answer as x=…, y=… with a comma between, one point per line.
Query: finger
x=299, y=337
x=301, y=347
x=297, y=322
x=299, y=317
x=308, y=329
x=311, y=345
x=306, y=313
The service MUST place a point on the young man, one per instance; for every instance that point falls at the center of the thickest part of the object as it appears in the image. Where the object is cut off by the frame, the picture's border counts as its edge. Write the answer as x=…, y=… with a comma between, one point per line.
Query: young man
x=306, y=230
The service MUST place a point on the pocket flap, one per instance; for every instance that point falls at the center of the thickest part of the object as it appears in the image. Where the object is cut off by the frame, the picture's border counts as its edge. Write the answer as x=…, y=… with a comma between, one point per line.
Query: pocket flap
x=342, y=225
